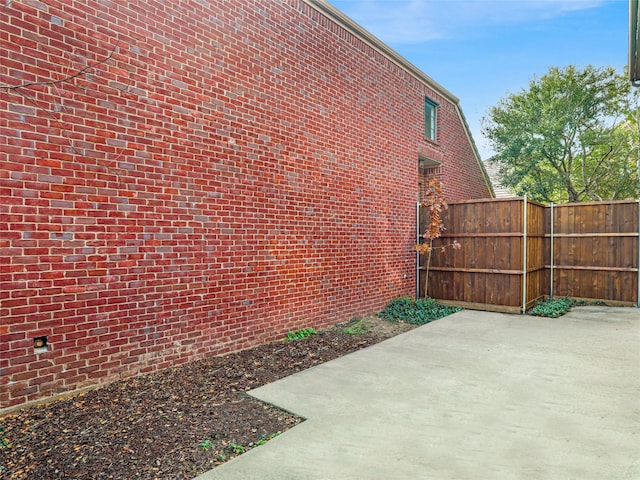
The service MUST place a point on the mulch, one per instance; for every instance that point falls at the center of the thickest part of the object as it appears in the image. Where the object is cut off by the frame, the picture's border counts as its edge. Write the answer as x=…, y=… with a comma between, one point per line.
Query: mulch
x=173, y=424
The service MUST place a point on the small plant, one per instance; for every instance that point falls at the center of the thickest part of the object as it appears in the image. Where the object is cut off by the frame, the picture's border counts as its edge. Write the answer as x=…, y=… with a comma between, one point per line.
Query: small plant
x=436, y=204
x=206, y=445
x=265, y=438
x=357, y=328
x=4, y=441
x=300, y=334
x=416, y=312
x=236, y=447
x=553, y=307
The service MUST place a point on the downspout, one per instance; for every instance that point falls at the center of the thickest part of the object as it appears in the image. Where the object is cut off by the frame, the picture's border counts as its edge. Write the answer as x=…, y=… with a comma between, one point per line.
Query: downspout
x=524, y=255
x=633, y=42
x=551, y=254
x=417, y=253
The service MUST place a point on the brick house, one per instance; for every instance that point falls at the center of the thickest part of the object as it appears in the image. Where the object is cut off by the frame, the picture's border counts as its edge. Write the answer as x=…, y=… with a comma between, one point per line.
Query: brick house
x=184, y=179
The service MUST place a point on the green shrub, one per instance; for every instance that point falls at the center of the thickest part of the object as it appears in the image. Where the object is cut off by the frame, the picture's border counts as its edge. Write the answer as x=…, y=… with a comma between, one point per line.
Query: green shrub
x=553, y=307
x=416, y=312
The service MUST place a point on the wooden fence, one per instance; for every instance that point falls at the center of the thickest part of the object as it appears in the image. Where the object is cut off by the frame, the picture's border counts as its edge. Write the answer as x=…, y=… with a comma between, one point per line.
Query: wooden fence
x=515, y=251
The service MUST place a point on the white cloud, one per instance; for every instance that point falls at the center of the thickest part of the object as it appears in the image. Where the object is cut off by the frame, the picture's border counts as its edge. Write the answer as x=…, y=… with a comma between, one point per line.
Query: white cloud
x=416, y=21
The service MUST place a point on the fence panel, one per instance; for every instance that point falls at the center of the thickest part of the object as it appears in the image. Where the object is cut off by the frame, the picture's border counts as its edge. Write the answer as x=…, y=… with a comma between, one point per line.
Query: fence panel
x=595, y=251
x=536, y=260
x=487, y=269
x=594, y=245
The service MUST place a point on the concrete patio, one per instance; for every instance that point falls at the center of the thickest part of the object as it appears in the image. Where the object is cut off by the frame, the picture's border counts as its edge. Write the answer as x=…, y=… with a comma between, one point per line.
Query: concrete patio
x=476, y=395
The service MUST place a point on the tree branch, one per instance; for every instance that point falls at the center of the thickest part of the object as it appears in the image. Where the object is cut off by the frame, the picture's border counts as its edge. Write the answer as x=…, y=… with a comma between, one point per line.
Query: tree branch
x=65, y=79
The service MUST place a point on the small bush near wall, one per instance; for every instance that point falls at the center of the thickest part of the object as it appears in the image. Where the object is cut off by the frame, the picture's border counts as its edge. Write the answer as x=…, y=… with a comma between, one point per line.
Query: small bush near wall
x=556, y=307
x=416, y=312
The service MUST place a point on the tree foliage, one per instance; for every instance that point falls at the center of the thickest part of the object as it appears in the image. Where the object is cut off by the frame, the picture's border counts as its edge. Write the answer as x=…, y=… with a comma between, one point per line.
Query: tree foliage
x=572, y=136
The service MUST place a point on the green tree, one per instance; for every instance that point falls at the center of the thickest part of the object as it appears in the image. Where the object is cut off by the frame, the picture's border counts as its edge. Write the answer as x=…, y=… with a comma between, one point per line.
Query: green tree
x=572, y=136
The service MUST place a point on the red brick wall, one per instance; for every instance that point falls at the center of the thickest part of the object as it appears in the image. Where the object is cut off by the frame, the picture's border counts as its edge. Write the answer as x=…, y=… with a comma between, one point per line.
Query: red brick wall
x=233, y=171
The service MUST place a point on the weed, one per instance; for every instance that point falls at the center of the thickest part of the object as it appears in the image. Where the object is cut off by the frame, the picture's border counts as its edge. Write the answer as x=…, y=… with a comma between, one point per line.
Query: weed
x=416, y=312
x=265, y=438
x=4, y=441
x=236, y=447
x=300, y=334
x=357, y=328
x=206, y=445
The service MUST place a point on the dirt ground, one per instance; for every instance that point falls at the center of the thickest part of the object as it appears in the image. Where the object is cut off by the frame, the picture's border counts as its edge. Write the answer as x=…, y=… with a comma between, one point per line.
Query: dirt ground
x=173, y=424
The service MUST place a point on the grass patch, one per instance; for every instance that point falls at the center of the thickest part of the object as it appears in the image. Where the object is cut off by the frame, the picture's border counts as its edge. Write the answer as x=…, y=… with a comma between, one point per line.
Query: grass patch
x=356, y=327
x=416, y=312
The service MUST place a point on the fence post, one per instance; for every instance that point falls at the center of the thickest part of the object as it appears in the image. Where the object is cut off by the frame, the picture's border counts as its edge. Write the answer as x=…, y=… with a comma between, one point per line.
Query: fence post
x=551, y=254
x=524, y=255
x=638, y=292
x=417, y=253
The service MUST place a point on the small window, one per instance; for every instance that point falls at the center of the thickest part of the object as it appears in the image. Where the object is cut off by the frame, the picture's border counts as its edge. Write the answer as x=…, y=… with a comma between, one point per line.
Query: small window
x=430, y=119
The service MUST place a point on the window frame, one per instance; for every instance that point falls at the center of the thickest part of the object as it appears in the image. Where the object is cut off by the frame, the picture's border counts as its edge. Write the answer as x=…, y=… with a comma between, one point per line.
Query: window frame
x=430, y=119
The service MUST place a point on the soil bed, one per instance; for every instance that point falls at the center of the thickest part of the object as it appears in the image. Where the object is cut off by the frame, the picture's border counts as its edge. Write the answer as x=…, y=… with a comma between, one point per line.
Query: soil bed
x=173, y=424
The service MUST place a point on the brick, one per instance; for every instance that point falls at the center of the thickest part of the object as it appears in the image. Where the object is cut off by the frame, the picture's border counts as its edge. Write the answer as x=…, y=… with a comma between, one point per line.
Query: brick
x=193, y=206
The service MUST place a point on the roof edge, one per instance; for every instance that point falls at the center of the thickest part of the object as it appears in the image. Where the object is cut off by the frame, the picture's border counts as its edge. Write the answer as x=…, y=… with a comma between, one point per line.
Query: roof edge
x=343, y=20
x=360, y=32
x=476, y=152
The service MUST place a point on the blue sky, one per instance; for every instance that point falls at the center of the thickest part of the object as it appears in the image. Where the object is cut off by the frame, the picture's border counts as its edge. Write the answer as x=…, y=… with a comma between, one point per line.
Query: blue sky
x=482, y=50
